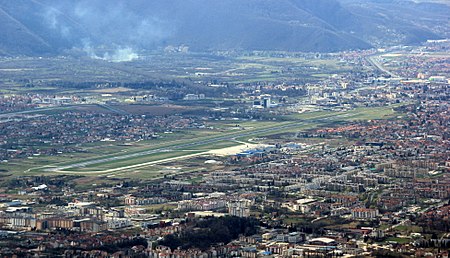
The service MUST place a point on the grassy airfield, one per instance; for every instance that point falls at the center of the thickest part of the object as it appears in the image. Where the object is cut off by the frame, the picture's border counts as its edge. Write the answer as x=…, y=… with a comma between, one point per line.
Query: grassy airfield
x=149, y=159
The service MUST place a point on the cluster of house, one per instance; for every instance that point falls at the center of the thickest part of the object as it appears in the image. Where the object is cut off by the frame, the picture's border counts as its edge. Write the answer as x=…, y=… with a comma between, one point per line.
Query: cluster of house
x=61, y=130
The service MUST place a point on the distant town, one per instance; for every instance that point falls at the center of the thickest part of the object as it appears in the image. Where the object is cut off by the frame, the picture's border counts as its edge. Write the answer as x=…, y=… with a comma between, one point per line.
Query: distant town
x=348, y=155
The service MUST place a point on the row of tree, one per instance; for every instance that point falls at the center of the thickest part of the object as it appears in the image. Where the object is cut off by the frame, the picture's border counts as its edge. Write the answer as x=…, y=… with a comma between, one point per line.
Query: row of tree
x=205, y=233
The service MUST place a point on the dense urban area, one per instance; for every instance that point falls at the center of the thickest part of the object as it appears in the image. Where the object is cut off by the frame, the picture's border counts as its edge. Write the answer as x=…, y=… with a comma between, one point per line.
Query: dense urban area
x=274, y=154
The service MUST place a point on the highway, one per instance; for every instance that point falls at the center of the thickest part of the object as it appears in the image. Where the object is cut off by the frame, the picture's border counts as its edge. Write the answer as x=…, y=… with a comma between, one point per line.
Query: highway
x=371, y=59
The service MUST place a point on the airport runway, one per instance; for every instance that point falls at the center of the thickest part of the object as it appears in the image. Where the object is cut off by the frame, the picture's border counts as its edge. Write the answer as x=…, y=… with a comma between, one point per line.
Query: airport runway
x=228, y=137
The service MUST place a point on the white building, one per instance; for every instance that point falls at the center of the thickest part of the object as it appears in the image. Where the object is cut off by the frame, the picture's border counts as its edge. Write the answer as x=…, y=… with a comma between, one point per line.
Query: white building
x=363, y=213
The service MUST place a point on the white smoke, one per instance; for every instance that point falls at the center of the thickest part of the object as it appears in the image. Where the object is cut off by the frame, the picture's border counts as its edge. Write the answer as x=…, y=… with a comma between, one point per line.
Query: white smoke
x=135, y=24
x=113, y=29
x=52, y=17
x=120, y=54
x=89, y=50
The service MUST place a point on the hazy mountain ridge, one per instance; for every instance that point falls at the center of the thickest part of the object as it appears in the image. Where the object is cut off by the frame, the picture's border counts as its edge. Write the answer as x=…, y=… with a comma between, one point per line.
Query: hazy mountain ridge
x=33, y=27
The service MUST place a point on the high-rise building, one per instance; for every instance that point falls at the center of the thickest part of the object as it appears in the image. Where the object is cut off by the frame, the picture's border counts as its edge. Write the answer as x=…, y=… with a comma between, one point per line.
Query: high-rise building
x=266, y=101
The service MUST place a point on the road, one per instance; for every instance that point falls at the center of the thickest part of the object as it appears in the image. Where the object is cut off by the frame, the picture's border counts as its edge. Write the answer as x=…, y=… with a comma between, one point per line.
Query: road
x=433, y=206
x=406, y=221
x=40, y=110
x=201, y=141
x=372, y=60
x=114, y=109
x=401, y=223
x=30, y=111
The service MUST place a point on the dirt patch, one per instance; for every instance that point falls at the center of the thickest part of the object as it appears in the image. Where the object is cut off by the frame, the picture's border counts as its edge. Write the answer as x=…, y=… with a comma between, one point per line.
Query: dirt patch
x=234, y=150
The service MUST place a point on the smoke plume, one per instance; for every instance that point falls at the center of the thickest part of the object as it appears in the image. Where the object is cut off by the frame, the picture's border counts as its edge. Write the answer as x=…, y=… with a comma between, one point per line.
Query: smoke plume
x=121, y=26
x=119, y=54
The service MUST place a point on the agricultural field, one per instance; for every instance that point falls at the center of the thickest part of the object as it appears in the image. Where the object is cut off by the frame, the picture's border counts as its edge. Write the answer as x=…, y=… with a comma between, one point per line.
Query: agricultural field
x=47, y=74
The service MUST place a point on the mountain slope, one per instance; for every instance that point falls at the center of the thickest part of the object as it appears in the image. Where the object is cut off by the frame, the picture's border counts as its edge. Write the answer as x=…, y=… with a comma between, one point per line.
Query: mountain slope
x=33, y=27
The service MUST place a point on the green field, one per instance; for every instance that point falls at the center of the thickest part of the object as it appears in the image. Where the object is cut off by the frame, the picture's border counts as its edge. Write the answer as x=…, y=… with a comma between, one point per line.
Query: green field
x=398, y=240
x=148, y=166
x=151, y=158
